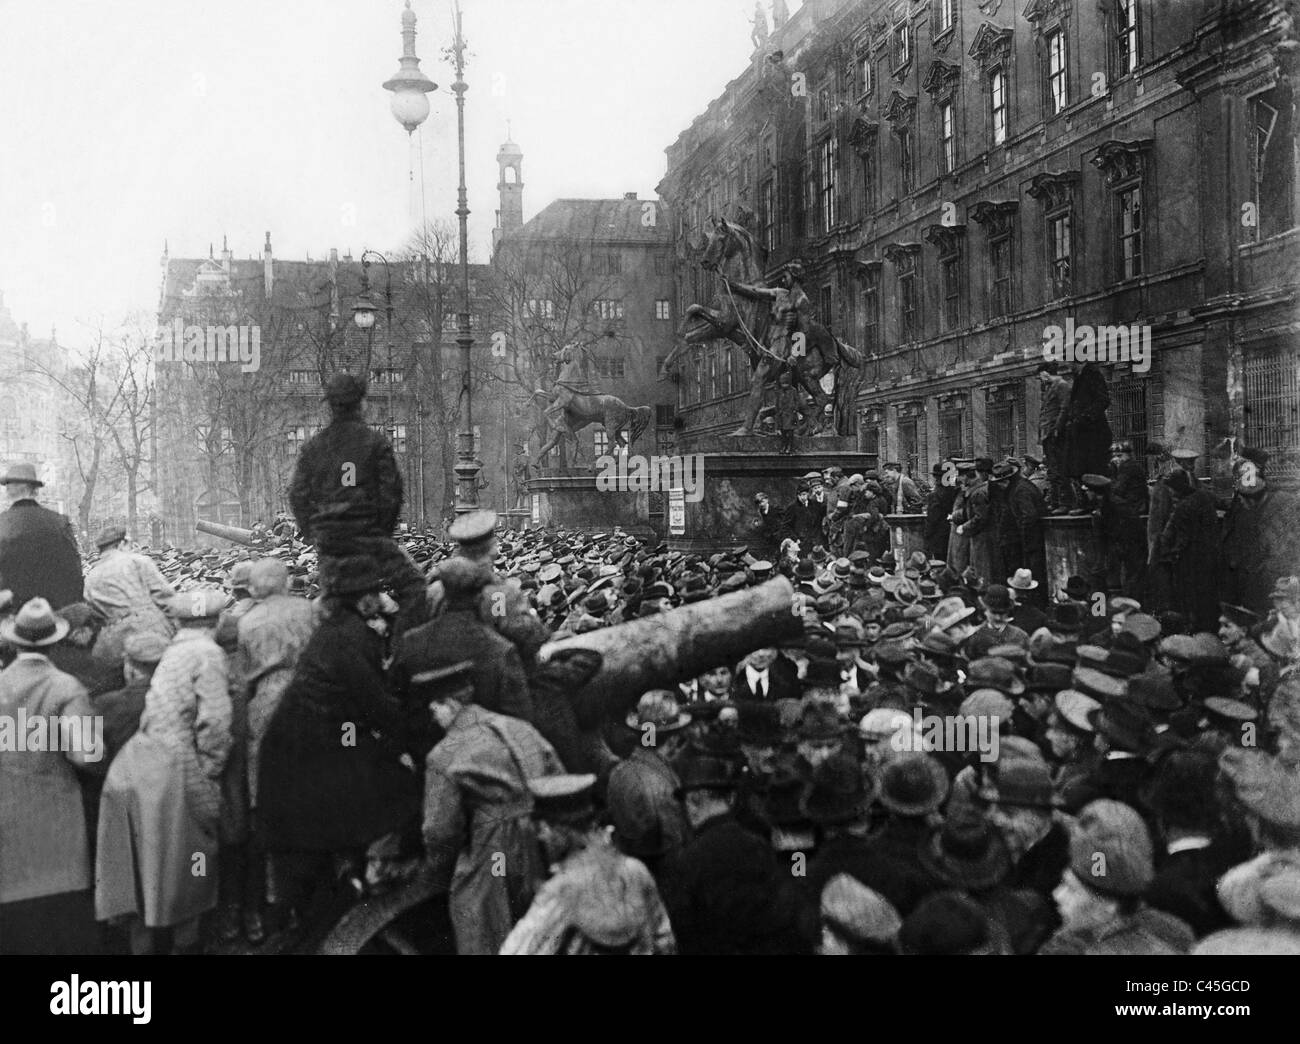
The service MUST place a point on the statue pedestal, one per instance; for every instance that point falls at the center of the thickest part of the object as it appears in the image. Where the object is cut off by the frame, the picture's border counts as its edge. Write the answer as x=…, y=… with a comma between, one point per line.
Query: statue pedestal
x=734, y=469
x=567, y=498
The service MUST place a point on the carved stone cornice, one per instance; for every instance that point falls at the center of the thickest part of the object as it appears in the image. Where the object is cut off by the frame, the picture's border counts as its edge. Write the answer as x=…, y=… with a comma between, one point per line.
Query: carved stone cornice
x=947, y=238
x=1054, y=189
x=941, y=81
x=995, y=217
x=1121, y=161
x=903, y=255
x=900, y=109
x=863, y=268
x=1042, y=14
x=862, y=135
x=992, y=44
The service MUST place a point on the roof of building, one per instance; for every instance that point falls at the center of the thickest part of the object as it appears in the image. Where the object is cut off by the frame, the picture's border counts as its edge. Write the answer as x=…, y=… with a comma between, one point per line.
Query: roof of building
x=599, y=220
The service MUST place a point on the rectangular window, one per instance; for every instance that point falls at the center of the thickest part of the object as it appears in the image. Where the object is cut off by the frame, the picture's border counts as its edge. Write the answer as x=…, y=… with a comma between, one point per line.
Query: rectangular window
x=541, y=308
x=951, y=274
x=870, y=178
x=1126, y=37
x=947, y=140
x=399, y=438
x=664, y=416
x=823, y=105
x=1002, y=429
x=607, y=309
x=908, y=317
x=864, y=74
x=1000, y=264
x=871, y=310
x=304, y=377
x=386, y=376
x=663, y=310
x=902, y=45
x=1059, y=240
x=1056, y=71
x=610, y=367
x=998, y=102
x=951, y=431
x=830, y=162
x=600, y=442
x=904, y=161
x=825, y=302
x=767, y=214
x=661, y=264
x=946, y=15
x=1272, y=162
x=1129, y=203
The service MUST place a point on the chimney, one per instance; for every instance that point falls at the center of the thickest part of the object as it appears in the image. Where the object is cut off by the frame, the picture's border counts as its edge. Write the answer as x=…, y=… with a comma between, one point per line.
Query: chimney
x=268, y=279
x=226, y=256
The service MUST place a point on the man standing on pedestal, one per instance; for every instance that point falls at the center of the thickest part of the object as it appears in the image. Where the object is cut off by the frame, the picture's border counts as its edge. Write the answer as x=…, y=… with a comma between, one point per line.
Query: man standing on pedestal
x=347, y=494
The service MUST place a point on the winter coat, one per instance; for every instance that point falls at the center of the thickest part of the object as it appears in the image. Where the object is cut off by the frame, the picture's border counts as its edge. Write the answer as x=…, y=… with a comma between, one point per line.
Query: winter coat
x=1189, y=546
x=1085, y=427
x=330, y=775
x=39, y=557
x=1261, y=541
x=346, y=483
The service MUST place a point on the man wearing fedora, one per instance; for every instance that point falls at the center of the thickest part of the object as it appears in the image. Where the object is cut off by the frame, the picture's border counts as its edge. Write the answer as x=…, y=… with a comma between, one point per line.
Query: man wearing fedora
x=46, y=902
x=642, y=795
x=997, y=628
x=39, y=557
x=1029, y=618
x=1019, y=523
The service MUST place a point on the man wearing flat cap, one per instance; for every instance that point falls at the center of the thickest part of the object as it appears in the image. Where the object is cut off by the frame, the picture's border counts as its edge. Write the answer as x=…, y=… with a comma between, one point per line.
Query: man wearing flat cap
x=128, y=590
x=500, y=684
x=347, y=495
x=39, y=557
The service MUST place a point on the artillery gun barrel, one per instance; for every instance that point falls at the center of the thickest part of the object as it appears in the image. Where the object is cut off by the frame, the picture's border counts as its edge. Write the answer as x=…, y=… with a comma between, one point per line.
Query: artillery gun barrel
x=232, y=533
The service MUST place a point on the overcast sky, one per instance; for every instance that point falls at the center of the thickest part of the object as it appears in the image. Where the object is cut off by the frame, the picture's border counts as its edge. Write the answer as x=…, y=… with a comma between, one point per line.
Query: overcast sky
x=126, y=123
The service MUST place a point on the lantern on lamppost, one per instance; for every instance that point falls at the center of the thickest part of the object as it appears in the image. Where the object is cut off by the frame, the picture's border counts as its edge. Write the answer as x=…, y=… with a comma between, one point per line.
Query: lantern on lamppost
x=409, y=85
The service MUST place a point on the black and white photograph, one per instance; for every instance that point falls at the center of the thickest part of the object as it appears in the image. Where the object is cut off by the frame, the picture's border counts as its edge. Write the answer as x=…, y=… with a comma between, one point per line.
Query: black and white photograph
x=694, y=478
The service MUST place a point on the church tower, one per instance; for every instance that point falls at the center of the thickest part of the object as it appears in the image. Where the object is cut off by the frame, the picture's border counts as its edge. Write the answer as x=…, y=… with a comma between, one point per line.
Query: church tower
x=510, y=186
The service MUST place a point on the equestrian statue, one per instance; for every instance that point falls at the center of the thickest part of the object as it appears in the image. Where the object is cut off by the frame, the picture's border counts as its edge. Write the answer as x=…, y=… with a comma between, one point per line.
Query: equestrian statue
x=573, y=406
x=772, y=323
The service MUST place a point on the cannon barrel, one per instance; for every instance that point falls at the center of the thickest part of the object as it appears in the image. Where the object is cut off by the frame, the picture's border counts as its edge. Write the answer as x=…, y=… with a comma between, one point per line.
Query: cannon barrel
x=661, y=650
x=232, y=533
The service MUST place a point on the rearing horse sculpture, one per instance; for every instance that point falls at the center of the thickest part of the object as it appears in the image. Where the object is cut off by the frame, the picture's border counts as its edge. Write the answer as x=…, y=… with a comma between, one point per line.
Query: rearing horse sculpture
x=574, y=407
x=741, y=315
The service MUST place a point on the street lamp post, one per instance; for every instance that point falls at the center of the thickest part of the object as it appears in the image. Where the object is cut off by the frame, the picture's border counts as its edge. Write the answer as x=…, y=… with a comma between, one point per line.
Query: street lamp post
x=467, y=466
x=363, y=314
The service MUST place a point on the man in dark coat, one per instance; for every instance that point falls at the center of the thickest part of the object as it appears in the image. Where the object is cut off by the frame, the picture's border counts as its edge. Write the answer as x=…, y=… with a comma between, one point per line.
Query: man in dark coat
x=38, y=551
x=346, y=496
x=1055, y=393
x=1019, y=524
x=938, y=505
x=1128, y=499
x=726, y=894
x=1085, y=429
x=767, y=527
x=331, y=776
x=500, y=684
x=803, y=519
x=1189, y=547
x=1259, y=534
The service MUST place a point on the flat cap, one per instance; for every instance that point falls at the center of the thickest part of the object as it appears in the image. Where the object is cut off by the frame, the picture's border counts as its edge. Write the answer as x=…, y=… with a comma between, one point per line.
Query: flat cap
x=563, y=798
x=110, y=535
x=145, y=647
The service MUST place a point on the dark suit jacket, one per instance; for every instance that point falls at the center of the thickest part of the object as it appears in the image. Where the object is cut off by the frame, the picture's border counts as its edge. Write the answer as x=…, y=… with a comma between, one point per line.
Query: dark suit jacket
x=39, y=556
x=1184, y=886
x=782, y=682
x=727, y=894
x=499, y=681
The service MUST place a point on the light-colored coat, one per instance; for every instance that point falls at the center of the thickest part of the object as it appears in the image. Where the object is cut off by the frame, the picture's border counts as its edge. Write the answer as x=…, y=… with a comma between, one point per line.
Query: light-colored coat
x=476, y=790
x=160, y=809
x=43, y=846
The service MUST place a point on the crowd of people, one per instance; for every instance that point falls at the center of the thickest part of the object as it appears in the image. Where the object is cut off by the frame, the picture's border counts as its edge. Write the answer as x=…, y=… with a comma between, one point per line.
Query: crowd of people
x=942, y=756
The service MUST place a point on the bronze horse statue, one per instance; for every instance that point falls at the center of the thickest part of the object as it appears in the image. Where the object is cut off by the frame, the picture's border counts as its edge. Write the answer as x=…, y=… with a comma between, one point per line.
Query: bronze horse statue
x=574, y=407
x=743, y=317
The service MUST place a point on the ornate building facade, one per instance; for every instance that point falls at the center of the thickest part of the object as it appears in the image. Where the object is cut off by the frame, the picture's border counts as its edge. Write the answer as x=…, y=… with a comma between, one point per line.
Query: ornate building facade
x=961, y=180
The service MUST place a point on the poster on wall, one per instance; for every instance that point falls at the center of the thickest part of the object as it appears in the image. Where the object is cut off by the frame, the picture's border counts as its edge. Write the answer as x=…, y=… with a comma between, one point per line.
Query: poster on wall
x=677, y=512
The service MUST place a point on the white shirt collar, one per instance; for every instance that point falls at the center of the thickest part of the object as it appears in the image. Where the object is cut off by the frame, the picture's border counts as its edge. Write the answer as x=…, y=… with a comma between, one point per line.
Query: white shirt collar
x=754, y=676
x=1188, y=844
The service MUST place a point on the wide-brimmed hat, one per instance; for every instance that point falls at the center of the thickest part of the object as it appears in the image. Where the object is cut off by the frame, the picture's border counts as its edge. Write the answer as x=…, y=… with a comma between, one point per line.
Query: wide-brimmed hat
x=21, y=472
x=992, y=672
x=913, y=784
x=1124, y=725
x=1023, y=782
x=966, y=852
x=1076, y=708
x=839, y=792
x=1022, y=580
x=658, y=708
x=34, y=626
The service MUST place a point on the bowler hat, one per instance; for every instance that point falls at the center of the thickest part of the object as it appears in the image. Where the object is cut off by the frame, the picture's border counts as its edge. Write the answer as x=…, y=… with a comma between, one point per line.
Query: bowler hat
x=1023, y=782
x=997, y=598
x=21, y=472
x=913, y=784
x=658, y=708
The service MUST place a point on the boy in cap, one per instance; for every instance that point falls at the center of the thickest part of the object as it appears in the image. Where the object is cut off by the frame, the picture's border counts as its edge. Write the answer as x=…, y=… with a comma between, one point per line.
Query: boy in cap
x=597, y=901
x=1100, y=895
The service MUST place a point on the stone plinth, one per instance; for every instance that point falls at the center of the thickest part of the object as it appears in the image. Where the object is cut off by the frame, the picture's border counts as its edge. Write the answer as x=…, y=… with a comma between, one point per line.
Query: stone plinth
x=906, y=534
x=735, y=469
x=568, y=499
x=1071, y=549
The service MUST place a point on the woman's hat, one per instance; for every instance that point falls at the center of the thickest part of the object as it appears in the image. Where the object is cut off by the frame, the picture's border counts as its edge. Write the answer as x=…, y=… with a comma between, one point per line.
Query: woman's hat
x=35, y=625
